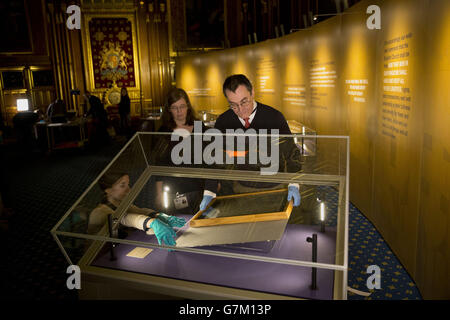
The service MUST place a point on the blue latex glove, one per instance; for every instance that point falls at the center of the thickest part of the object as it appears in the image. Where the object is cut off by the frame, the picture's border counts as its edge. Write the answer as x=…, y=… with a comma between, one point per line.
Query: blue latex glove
x=171, y=220
x=293, y=192
x=205, y=201
x=163, y=232
x=206, y=212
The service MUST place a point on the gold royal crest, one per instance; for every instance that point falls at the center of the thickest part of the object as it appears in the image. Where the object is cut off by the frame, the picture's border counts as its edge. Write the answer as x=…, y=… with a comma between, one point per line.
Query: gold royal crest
x=113, y=62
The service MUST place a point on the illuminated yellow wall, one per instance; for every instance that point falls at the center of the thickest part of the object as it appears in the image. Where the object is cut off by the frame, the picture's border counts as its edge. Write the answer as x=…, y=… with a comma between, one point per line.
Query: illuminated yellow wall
x=358, y=106
x=265, y=67
x=388, y=90
x=202, y=76
x=323, y=65
x=294, y=77
x=242, y=58
x=397, y=140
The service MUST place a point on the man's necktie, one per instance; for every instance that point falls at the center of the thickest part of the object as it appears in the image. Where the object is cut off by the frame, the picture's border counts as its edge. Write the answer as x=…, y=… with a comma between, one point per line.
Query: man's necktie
x=247, y=124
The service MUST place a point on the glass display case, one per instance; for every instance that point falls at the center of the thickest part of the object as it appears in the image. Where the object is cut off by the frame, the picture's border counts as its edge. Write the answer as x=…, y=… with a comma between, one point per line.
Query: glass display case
x=208, y=117
x=305, y=137
x=250, y=242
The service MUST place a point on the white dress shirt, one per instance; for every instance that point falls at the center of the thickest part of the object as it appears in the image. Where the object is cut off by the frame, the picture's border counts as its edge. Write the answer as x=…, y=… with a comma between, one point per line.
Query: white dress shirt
x=252, y=115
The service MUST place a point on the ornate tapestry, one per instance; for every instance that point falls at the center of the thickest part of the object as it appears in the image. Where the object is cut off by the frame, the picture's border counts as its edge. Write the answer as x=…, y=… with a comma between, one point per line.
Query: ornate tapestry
x=112, y=52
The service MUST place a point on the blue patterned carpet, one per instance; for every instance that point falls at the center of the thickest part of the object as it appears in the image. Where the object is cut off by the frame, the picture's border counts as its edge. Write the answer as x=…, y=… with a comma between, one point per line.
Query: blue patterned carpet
x=367, y=247
x=44, y=188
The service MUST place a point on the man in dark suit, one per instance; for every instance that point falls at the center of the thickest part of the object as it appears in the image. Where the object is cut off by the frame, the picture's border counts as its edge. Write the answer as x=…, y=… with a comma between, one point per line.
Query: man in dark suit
x=245, y=113
x=99, y=134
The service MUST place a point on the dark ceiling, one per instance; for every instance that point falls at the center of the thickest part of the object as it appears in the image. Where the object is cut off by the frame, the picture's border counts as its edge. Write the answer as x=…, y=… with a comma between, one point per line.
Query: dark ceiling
x=207, y=20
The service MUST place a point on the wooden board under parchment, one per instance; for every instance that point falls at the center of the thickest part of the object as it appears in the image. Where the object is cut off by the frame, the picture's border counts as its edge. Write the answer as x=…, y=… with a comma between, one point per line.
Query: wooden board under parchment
x=247, y=214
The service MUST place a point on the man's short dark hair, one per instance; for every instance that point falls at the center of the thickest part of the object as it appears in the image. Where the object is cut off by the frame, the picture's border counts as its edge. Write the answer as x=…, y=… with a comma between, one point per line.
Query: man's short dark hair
x=232, y=82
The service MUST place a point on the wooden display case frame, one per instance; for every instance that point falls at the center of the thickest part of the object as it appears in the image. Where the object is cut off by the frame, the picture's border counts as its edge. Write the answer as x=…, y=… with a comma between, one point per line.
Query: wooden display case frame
x=270, y=216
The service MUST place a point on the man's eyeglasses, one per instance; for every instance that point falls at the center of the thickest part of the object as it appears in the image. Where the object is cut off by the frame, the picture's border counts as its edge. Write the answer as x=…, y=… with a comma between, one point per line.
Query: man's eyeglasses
x=244, y=103
x=179, y=108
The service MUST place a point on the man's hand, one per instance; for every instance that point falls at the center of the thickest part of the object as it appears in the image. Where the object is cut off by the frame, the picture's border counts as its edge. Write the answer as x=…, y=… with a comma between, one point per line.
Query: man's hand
x=205, y=201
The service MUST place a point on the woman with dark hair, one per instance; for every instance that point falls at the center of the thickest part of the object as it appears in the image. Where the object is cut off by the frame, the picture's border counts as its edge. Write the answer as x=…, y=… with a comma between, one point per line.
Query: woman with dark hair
x=178, y=117
x=116, y=187
x=178, y=112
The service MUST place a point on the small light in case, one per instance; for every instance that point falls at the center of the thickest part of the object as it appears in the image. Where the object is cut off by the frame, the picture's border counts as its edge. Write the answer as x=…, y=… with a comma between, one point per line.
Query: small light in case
x=322, y=211
x=322, y=217
x=166, y=197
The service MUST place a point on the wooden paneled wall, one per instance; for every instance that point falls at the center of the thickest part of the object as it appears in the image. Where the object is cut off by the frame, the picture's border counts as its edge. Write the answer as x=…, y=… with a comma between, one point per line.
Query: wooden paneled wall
x=40, y=54
x=64, y=52
x=38, y=58
x=151, y=21
x=154, y=48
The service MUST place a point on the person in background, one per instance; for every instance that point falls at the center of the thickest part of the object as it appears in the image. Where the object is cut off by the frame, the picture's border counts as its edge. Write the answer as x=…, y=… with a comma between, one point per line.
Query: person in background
x=116, y=187
x=245, y=113
x=178, y=117
x=56, y=112
x=6, y=210
x=124, y=110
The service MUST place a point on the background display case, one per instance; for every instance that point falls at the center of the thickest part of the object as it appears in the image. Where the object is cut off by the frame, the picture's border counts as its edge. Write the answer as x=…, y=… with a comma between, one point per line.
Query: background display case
x=301, y=254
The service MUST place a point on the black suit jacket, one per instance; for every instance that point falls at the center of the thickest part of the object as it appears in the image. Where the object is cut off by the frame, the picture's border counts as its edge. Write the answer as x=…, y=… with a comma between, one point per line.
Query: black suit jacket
x=265, y=118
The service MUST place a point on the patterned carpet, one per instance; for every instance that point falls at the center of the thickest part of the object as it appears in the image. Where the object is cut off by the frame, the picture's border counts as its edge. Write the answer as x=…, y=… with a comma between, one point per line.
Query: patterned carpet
x=42, y=190
x=367, y=247
x=44, y=187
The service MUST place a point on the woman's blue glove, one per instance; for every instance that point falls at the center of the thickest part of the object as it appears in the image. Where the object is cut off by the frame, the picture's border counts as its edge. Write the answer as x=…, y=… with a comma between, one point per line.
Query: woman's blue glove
x=171, y=220
x=293, y=192
x=205, y=201
x=163, y=232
